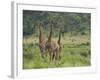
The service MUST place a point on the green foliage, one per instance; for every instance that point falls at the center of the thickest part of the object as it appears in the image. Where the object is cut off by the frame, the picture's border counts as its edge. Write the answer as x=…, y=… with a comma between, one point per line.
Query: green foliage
x=75, y=23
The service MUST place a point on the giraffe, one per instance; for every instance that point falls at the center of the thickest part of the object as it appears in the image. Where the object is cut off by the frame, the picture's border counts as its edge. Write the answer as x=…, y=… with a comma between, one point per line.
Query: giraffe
x=59, y=43
x=42, y=40
x=52, y=46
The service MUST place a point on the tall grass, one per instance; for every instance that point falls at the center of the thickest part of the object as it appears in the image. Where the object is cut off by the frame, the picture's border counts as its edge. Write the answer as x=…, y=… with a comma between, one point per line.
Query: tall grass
x=75, y=52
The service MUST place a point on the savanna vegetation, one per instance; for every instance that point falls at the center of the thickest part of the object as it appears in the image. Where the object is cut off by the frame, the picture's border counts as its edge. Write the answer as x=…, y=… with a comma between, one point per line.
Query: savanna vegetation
x=75, y=38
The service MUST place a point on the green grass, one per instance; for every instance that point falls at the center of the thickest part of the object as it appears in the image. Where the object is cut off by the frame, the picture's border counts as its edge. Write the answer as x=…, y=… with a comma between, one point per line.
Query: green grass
x=75, y=52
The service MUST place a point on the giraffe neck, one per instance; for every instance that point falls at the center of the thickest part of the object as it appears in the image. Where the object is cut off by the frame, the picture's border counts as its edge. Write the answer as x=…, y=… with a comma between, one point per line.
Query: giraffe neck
x=50, y=35
x=41, y=36
x=59, y=39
